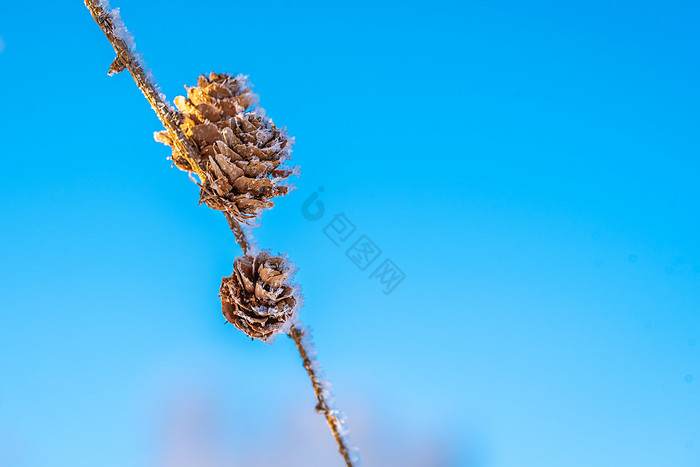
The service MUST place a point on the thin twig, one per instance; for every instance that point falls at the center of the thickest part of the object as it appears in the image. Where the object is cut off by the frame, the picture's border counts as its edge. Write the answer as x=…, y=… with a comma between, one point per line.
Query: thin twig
x=126, y=58
x=297, y=334
x=238, y=233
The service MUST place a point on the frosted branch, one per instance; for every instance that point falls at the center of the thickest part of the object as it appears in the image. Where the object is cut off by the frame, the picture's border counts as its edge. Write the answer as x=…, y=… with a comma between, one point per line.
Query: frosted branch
x=333, y=416
x=113, y=27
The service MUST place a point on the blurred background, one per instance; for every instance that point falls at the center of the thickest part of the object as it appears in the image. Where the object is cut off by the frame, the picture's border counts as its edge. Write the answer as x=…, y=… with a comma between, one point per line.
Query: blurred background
x=527, y=172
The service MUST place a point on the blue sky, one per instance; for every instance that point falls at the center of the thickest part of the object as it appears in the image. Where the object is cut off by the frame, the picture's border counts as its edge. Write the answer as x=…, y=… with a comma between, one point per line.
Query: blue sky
x=531, y=168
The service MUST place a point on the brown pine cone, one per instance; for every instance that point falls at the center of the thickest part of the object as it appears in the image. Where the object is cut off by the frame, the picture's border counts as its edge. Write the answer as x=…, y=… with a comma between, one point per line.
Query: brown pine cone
x=243, y=173
x=257, y=298
x=240, y=151
x=217, y=97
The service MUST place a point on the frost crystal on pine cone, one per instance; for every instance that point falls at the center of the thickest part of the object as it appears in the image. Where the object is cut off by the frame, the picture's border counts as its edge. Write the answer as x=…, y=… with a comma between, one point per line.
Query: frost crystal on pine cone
x=241, y=150
x=258, y=298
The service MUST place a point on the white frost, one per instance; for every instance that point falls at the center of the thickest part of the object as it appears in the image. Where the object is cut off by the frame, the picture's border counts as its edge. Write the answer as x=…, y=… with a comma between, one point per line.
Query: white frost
x=328, y=396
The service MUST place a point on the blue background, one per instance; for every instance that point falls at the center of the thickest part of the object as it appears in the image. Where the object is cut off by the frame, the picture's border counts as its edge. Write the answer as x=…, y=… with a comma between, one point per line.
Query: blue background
x=532, y=169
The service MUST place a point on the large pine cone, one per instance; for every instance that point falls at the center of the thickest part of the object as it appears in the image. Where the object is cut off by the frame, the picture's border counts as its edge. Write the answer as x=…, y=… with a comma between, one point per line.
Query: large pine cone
x=240, y=151
x=257, y=298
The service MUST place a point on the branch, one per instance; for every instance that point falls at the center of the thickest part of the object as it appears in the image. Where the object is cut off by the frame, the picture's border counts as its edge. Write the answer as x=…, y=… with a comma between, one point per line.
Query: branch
x=323, y=406
x=112, y=26
x=238, y=233
x=126, y=58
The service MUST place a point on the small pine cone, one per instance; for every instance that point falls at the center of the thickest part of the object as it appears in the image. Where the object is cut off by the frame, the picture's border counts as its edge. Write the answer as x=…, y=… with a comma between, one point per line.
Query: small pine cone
x=243, y=172
x=257, y=298
x=240, y=151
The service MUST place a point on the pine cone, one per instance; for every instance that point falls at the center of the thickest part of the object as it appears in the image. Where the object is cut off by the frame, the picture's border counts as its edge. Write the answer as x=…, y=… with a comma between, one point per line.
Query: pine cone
x=240, y=151
x=213, y=99
x=257, y=298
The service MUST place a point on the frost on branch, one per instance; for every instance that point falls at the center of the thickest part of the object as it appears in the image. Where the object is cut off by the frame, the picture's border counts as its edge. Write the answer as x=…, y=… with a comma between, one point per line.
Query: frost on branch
x=335, y=418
